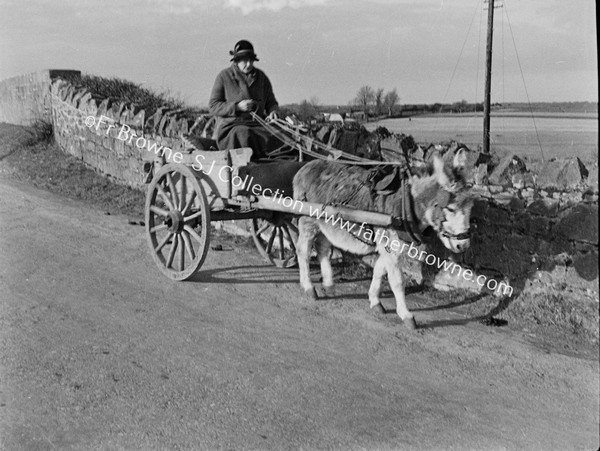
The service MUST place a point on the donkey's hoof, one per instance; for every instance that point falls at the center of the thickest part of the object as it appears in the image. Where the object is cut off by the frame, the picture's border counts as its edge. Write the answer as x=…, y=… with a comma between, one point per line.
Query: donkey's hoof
x=329, y=291
x=379, y=308
x=410, y=323
x=311, y=294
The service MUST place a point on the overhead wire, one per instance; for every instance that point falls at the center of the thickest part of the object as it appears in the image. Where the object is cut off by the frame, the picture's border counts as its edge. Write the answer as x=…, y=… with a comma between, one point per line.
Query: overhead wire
x=460, y=54
x=524, y=84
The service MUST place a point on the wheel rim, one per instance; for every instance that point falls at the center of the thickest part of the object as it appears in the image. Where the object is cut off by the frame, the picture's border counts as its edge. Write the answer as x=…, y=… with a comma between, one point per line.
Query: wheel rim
x=275, y=238
x=177, y=221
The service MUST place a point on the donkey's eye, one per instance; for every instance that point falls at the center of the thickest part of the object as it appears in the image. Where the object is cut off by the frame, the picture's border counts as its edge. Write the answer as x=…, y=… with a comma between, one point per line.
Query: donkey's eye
x=451, y=209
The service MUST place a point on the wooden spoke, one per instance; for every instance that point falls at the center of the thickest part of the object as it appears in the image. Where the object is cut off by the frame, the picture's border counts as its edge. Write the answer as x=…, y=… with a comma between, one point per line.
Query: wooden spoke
x=283, y=230
x=194, y=235
x=289, y=236
x=271, y=240
x=189, y=203
x=182, y=194
x=188, y=245
x=181, y=251
x=264, y=227
x=158, y=228
x=292, y=227
x=163, y=242
x=190, y=218
x=159, y=211
x=172, y=190
x=281, y=247
x=171, y=253
x=162, y=192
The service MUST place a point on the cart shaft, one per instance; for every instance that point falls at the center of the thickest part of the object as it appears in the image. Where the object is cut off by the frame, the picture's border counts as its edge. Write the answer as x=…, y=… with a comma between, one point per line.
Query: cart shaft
x=322, y=211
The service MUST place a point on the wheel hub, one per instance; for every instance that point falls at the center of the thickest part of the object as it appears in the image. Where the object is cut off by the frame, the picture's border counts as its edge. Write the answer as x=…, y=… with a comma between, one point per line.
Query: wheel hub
x=174, y=221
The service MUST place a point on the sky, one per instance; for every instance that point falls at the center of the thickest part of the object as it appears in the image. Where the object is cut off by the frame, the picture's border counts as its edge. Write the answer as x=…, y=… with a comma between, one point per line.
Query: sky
x=428, y=50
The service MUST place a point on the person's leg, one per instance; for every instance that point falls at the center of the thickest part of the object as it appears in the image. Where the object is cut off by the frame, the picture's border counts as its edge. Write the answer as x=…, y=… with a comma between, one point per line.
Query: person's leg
x=239, y=136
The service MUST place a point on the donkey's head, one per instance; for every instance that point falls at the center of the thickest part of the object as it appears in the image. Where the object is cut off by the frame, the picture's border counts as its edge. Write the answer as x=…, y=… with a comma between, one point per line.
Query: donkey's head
x=443, y=202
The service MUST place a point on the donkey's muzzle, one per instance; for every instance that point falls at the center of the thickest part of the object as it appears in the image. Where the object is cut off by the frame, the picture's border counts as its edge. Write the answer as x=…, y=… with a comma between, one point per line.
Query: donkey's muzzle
x=459, y=242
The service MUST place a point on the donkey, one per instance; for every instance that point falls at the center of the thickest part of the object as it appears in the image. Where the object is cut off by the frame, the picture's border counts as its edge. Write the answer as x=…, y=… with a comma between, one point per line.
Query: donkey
x=438, y=198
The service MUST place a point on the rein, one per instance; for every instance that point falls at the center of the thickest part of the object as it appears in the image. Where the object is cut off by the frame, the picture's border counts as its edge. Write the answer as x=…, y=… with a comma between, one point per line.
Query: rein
x=408, y=210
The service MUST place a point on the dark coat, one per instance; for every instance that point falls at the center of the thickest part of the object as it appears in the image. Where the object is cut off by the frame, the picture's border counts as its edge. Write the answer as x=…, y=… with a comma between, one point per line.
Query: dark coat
x=231, y=87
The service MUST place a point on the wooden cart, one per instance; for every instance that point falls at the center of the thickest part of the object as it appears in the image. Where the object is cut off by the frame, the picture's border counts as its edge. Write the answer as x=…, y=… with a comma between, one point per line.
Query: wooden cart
x=188, y=191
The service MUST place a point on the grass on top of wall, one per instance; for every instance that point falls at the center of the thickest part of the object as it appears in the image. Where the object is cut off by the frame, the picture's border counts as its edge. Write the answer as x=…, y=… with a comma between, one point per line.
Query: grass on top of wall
x=131, y=93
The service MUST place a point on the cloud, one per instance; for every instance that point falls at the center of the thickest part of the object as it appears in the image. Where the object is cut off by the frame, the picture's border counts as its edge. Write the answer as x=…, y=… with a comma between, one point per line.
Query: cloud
x=249, y=6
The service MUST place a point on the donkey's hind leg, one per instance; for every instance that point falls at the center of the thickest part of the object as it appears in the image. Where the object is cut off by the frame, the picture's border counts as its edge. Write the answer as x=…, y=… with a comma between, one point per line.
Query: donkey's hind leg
x=308, y=229
x=323, y=246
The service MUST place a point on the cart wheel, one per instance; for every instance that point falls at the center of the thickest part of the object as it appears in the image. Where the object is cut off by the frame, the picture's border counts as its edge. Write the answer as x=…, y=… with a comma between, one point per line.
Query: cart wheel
x=177, y=221
x=275, y=238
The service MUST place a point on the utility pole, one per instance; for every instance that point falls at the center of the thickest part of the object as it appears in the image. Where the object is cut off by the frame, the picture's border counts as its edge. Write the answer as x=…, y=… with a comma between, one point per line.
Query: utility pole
x=488, y=78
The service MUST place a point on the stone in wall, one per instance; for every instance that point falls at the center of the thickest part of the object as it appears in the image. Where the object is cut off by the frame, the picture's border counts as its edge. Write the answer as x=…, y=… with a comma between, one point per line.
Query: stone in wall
x=103, y=107
x=506, y=169
x=480, y=175
x=115, y=110
x=592, y=179
x=127, y=115
x=79, y=93
x=523, y=180
x=579, y=223
x=562, y=174
x=198, y=126
x=156, y=119
x=586, y=265
x=544, y=206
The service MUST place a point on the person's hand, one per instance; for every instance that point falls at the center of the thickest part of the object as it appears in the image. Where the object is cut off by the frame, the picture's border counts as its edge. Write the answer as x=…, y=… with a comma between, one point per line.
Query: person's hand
x=246, y=105
x=272, y=116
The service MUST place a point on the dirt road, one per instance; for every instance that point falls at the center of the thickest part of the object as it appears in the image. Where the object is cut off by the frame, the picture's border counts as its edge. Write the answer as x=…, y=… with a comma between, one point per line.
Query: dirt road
x=99, y=351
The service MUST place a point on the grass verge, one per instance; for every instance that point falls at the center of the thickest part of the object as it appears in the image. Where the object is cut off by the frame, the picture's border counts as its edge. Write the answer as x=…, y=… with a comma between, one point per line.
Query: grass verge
x=29, y=154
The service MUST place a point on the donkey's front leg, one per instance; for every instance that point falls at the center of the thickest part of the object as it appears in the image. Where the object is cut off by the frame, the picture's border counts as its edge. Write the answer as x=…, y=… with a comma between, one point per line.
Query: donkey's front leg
x=396, y=282
x=307, y=229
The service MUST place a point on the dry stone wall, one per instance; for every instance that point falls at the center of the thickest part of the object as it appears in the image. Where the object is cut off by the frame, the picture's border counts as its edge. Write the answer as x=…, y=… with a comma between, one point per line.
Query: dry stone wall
x=122, y=141
x=534, y=229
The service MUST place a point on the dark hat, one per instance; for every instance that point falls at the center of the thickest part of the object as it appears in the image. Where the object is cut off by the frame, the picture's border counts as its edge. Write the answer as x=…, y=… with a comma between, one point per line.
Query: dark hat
x=243, y=49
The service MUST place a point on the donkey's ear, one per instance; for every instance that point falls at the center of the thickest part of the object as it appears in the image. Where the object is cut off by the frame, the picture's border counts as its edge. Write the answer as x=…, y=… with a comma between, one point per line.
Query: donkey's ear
x=438, y=170
x=460, y=159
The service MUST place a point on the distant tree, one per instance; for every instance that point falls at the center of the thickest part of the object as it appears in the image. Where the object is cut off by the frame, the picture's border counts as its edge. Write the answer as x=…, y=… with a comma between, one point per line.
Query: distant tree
x=460, y=107
x=307, y=109
x=378, y=98
x=365, y=97
x=390, y=101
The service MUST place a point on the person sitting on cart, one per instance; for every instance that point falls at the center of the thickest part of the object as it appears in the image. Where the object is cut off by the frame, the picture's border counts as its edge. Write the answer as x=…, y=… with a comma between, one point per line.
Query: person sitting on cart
x=239, y=90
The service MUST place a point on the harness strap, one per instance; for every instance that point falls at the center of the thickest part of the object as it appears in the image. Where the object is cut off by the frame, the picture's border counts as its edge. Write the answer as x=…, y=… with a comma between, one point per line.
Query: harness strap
x=408, y=210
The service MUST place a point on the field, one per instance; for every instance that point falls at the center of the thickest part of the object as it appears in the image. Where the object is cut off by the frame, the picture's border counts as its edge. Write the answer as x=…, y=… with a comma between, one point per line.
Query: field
x=559, y=135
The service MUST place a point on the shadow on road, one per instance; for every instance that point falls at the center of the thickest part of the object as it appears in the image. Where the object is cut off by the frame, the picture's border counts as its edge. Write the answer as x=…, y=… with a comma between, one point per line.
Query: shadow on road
x=246, y=274
x=347, y=291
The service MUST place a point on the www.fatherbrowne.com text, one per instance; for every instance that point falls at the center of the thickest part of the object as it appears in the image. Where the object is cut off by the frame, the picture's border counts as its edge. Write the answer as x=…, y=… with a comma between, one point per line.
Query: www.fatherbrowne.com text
x=378, y=236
